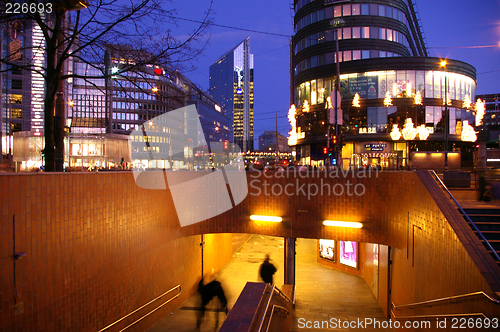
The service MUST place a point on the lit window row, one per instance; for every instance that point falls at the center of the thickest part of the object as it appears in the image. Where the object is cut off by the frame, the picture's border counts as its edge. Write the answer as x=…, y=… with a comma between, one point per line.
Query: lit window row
x=351, y=10
x=400, y=83
x=352, y=33
x=329, y=58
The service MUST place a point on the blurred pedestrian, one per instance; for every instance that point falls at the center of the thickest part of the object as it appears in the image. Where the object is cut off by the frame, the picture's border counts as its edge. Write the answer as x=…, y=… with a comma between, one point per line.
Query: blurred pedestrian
x=267, y=270
x=208, y=292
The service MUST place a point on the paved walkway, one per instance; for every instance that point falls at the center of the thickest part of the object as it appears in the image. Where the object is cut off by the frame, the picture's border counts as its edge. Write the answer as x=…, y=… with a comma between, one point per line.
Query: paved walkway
x=322, y=293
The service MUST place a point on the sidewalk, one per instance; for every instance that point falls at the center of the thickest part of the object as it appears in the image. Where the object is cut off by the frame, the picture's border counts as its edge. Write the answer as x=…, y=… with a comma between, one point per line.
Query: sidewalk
x=321, y=293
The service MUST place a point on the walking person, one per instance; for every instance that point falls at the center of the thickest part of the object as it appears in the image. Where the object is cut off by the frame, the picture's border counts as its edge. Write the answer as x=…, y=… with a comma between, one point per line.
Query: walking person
x=208, y=292
x=267, y=270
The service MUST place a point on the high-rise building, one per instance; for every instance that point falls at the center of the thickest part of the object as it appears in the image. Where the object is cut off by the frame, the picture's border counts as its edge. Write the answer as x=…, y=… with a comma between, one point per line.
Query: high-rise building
x=388, y=83
x=231, y=85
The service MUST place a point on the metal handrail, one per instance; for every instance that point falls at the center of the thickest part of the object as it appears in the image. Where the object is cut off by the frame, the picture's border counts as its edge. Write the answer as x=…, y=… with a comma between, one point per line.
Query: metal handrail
x=480, y=314
x=448, y=298
x=468, y=219
x=133, y=312
x=267, y=307
x=272, y=313
x=286, y=297
x=269, y=302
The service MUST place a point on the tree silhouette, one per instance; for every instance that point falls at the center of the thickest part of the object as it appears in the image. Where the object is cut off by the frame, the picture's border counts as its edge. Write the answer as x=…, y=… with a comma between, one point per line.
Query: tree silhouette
x=84, y=31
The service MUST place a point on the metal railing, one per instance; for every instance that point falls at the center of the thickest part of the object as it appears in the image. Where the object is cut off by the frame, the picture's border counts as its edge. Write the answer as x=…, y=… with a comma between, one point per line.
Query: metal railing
x=448, y=298
x=133, y=312
x=272, y=313
x=476, y=314
x=488, y=245
x=261, y=324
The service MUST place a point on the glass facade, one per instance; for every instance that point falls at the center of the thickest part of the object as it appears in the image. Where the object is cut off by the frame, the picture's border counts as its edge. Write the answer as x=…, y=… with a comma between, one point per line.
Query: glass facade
x=231, y=85
x=400, y=83
x=373, y=32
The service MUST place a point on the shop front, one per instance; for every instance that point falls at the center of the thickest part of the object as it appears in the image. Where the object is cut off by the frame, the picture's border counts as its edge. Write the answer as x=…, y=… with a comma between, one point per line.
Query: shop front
x=377, y=155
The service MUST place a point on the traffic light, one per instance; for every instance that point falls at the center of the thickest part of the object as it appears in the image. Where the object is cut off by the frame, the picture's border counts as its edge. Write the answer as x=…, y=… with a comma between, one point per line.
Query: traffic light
x=226, y=145
x=325, y=150
x=334, y=139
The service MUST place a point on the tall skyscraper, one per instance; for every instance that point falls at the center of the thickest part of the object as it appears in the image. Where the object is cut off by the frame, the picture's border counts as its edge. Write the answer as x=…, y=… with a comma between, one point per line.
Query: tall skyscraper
x=231, y=85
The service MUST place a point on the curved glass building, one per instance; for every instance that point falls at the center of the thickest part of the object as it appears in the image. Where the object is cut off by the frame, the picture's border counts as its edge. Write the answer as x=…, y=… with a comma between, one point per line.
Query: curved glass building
x=386, y=79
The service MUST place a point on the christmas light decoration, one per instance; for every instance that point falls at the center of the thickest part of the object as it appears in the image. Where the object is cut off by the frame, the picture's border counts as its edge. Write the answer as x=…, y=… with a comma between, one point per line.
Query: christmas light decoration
x=409, y=132
x=423, y=133
x=355, y=101
x=395, y=133
x=388, y=99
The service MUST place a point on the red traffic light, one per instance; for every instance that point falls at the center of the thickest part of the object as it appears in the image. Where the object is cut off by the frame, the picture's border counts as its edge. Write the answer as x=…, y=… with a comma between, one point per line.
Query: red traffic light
x=334, y=139
x=325, y=151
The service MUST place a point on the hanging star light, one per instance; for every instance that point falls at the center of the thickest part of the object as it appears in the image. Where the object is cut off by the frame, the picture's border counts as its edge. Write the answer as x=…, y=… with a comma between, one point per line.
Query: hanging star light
x=409, y=132
x=423, y=133
x=388, y=99
x=355, y=100
x=417, y=100
x=466, y=102
x=479, y=111
x=395, y=133
x=305, y=107
x=468, y=133
x=292, y=134
x=328, y=103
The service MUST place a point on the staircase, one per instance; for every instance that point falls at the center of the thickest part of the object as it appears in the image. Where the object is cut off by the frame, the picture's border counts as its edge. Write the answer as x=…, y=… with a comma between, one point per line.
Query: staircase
x=488, y=222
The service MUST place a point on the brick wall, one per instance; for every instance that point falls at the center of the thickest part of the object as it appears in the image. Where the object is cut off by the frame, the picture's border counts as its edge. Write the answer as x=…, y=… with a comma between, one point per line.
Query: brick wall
x=98, y=247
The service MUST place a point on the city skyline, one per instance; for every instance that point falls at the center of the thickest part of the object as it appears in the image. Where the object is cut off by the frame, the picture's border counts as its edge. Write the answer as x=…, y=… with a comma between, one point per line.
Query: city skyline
x=272, y=79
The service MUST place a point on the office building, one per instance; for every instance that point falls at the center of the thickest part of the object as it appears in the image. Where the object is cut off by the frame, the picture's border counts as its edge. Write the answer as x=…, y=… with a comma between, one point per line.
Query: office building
x=267, y=142
x=231, y=85
x=388, y=83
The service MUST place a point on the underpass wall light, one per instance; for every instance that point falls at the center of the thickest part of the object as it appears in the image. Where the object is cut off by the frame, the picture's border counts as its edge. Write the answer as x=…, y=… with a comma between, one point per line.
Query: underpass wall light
x=350, y=224
x=265, y=218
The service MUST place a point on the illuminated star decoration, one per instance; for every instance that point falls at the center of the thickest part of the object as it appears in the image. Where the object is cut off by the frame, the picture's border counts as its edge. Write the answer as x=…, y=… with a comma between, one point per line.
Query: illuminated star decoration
x=418, y=98
x=423, y=133
x=388, y=99
x=479, y=111
x=468, y=133
x=292, y=134
x=355, y=100
x=409, y=132
x=305, y=107
x=395, y=133
x=466, y=102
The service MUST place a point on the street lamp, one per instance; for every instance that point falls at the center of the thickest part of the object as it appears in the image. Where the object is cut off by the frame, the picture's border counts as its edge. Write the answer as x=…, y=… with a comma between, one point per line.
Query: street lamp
x=445, y=115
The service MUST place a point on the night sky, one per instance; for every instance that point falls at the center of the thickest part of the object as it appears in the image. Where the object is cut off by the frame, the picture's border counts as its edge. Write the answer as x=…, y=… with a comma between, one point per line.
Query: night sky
x=446, y=23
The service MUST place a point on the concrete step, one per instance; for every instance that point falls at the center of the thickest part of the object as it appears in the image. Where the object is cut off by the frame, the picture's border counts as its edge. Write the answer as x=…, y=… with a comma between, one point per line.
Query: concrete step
x=490, y=211
x=487, y=226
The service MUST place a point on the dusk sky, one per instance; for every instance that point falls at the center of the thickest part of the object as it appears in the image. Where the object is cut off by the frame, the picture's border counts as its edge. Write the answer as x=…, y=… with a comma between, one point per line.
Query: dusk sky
x=453, y=24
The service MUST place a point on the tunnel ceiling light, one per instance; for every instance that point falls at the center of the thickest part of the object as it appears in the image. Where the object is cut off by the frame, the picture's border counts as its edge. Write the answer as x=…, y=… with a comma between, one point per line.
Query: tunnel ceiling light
x=265, y=218
x=350, y=224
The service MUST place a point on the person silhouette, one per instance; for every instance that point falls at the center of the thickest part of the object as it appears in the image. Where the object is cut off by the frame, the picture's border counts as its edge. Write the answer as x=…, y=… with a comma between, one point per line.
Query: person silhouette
x=267, y=270
x=208, y=292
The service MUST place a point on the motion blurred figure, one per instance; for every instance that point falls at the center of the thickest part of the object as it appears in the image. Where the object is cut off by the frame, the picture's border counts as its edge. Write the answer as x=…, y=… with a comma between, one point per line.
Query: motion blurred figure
x=208, y=292
x=267, y=270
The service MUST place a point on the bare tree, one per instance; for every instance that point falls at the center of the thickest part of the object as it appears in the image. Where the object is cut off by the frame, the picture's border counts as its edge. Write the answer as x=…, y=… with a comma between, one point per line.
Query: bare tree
x=83, y=31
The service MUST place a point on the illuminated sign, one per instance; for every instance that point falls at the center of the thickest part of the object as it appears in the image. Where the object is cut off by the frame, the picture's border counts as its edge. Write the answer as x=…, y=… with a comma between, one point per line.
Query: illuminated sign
x=337, y=22
x=239, y=91
x=37, y=80
x=369, y=130
x=327, y=249
x=349, y=253
x=375, y=146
